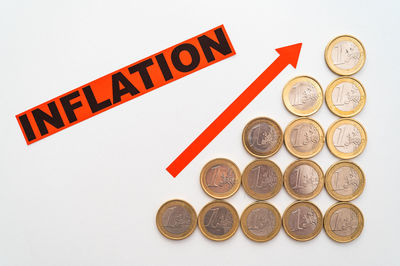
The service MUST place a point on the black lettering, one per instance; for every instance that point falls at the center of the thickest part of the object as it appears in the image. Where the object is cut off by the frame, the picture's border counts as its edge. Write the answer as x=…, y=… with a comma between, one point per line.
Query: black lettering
x=164, y=67
x=206, y=43
x=68, y=107
x=117, y=92
x=144, y=74
x=26, y=125
x=176, y=61
x=54, y=119
x=94, y=105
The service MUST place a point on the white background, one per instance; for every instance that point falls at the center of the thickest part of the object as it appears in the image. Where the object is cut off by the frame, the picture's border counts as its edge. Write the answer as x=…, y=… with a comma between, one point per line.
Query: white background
x=88, y=195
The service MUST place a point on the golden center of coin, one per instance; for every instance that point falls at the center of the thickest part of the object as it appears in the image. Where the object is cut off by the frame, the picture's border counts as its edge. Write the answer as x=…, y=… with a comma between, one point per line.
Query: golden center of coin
x=260, y=221
x=304, y=138
x=220, y=178
x=345, y=97
x=302, y=96
x=345, y=55
x=344, y=181
x=262, y=137
x=262, y=179
x=343, y=222
x=302, y=221
x=303, y=179
x=176, y=219
x=346, y=138
x=218, y=220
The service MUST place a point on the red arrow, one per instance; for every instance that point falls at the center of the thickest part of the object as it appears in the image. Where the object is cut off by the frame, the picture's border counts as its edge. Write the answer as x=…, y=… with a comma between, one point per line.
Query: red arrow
x=287, y=55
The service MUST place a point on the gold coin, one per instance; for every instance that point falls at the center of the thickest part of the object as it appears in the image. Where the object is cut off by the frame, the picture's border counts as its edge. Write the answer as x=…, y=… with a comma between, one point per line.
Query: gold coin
x=345, y=55
x=260, y=221
x=343, y=222
x=303, y=179
x=220, y=178
x=218, y=220
x=262, y=137
x=302, y=96
x=262, y=179
x=304, y=138
x=176, y=219
x=344, y=181
x=302, y=220
x=345, y=97
x=346, y=138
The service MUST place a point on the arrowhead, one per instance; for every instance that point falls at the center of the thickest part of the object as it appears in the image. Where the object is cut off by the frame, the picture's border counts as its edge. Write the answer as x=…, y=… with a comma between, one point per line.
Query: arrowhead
x=290, y=53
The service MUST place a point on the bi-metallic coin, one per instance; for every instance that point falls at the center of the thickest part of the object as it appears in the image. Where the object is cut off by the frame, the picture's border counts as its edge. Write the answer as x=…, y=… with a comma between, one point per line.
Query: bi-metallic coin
x=343, y=222
x=345, y=55
x=344, y=181
x=346, y=138
x=218, y=220
x=262, y=137
x=304, y=138
x=176, y=219
x=302, y=96
x=302, y=221
x=262, y=179
x=303, y=179
x=260, y=221
x=345, y=97
x=220, y=178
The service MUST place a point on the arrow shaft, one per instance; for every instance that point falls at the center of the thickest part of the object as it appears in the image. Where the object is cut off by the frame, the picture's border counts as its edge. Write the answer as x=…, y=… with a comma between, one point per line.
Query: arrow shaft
x=226, y=116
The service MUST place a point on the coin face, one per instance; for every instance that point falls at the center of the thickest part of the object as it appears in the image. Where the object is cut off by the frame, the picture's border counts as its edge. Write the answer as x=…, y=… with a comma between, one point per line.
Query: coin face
x=304, y=138
x=262, y=137
x=345, y=55
x=343, y=222
x=218, y=220
x=303, y=179
x=344, y=181
x=262, y=179
x=176, y=219
x=346, y=138
x=345, y=97
x=260, y=221
x=302, y=221
x=220, y=178
x=302, y=96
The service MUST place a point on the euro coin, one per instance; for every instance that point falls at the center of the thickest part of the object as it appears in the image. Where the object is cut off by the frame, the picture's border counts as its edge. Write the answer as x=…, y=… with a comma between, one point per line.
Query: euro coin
x=303, y=179
x=218, y=220
x=220, y=178
x=346, y=138
x=302, y=221
x=345, y=97
x=260, y=221
x=344, y=181
x=176, y=219
x=343, y=222
x=304, y=138
x=262, y=137
x=262, y=179
x=345, y=55
x=302, y=96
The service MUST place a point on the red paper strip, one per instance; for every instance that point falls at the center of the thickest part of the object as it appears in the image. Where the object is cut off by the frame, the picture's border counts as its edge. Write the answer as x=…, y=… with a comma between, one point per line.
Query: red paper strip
x=125, y=84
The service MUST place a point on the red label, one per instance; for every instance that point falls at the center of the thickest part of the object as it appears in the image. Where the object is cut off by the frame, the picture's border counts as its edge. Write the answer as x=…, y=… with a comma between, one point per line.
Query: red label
x=125, y=84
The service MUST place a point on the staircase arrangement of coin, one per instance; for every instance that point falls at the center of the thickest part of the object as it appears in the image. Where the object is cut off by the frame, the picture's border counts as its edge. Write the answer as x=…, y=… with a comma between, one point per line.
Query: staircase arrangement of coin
x=303, y=179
